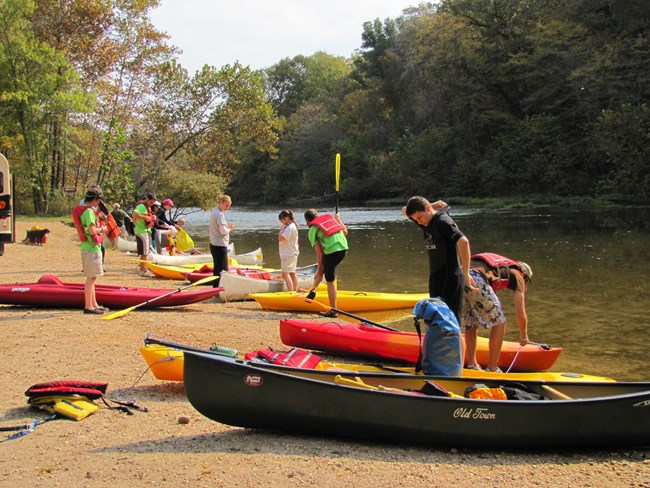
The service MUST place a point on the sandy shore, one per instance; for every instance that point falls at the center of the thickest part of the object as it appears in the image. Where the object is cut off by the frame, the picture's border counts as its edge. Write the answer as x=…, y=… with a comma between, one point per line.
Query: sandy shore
x=110, y=448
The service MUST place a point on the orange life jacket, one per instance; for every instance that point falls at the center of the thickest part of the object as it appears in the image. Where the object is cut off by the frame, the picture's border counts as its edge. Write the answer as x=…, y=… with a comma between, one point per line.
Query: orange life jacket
x=328, y=224
x=81, y=232
x=499, y=263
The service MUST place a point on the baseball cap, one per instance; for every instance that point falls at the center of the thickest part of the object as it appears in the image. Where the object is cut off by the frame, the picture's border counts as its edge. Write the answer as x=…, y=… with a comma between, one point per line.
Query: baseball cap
x=94, y=193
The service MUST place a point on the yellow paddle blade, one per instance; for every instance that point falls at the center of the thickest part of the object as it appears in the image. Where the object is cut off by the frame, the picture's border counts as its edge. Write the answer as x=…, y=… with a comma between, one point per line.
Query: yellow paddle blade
x=118, y=314
x=338, y=170
x=204, y=280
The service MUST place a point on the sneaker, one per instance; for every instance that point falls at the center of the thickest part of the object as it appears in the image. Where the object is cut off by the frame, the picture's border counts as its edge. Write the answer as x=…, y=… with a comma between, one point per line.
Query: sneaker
x=476, y=367
x=95, y=311
x=146, y=274
x=311, y=295
x=329, y=314
x=498, y=370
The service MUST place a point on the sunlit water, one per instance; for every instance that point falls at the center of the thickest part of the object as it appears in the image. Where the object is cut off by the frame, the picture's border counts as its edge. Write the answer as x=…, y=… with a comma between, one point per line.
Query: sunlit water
x=589, y=294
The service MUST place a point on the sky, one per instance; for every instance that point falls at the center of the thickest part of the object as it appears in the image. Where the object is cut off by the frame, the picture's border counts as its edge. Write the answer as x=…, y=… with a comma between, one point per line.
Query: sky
x=260, y=33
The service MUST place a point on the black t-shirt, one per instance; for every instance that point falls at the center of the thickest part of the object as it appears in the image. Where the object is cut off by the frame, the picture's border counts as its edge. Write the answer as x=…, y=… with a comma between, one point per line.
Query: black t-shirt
x=440, y=238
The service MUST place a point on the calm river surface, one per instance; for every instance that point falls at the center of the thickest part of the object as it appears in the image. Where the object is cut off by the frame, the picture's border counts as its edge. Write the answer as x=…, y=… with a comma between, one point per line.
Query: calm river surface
x=589, y=293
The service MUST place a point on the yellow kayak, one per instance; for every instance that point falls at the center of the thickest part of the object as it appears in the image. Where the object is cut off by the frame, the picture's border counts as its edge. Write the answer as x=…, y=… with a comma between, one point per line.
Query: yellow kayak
x=178, y=272
x=350, y=301
x=166, y=363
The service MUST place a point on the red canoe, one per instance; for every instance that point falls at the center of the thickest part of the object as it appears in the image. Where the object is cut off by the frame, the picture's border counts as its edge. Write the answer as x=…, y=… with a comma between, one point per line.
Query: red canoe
x=49, y=291
x=359, y=340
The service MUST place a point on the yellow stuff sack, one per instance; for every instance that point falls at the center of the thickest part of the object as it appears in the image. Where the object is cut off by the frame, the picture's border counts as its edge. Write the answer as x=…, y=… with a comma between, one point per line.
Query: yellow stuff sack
x=75, y=407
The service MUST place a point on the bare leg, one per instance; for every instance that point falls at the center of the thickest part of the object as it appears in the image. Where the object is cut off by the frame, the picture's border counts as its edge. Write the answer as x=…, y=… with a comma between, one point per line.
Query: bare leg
x=90, y=302
x=294, y=280
x=496, y=341
x=288, y=282
x=470, y=346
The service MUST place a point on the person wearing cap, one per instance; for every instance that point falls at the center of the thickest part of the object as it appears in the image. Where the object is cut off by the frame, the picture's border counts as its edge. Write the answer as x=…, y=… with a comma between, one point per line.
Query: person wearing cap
x=482, y=307
x=165, y=225
x=91, y=256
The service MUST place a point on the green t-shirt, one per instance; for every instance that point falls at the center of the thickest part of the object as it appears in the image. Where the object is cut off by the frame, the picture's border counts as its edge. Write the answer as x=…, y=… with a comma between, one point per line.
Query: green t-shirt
x=88, y=218
x=331, y=244
x=140, y=225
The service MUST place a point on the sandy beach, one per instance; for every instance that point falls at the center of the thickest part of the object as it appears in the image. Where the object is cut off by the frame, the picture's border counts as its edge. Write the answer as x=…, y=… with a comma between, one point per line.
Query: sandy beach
x=110, y=448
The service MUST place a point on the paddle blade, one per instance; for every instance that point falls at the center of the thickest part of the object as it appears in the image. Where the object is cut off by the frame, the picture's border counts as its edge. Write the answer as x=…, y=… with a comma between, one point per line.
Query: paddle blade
x=338, y=170
x=118, y=314
x=204, y=280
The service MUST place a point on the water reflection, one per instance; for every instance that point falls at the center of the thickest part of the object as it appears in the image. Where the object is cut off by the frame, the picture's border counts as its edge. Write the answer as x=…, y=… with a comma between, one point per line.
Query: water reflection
x=589, y=294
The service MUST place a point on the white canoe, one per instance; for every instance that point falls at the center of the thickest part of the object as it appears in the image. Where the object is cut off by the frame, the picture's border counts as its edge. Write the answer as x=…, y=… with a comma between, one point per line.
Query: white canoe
x=253, y=257
x=238, y=287
x=125, y=245
x=181, y=259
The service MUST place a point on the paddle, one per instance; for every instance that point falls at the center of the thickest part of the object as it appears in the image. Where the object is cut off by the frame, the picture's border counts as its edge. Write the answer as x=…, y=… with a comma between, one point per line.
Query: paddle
x=131, y=309
x=360, y=319
x=175, y=345
x=338, y=176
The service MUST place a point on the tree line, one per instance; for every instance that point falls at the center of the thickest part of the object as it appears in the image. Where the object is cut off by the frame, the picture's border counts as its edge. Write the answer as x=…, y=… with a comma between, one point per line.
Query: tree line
x=477, y=98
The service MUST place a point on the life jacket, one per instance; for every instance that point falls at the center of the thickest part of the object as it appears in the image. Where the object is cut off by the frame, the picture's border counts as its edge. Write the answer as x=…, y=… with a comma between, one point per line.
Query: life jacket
x=112, y=230
x=149, y=213
x=328, y=224
x=499, y=263
x=296, y=358
x=81, y=232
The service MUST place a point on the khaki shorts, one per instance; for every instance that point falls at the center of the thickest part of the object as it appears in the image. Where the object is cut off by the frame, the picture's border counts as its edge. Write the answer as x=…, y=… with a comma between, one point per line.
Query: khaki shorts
x=288, y=265
x=91, y=263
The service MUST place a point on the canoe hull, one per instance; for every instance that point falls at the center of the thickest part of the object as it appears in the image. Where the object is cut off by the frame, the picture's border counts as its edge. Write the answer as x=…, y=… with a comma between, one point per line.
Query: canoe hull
x=125, y=245
x=350, y=301
x=51, y=292
x=265, y=399
x=357, y=340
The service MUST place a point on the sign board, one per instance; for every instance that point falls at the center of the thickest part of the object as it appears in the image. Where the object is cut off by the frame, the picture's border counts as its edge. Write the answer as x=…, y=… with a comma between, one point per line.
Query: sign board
x=69, y=190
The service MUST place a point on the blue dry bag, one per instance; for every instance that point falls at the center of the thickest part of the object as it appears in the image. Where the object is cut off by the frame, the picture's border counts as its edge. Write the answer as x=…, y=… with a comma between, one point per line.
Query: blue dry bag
x=441, y=350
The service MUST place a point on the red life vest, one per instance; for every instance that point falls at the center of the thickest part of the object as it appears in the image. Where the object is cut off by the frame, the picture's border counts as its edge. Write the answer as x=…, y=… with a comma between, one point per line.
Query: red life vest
x=296, y=358
x=81, y=232
x=149, y=213
x=499, y=263
x=328, y=224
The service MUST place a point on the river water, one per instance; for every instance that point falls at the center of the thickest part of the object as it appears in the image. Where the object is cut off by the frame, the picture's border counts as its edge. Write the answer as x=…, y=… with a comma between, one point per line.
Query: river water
x=589, y=293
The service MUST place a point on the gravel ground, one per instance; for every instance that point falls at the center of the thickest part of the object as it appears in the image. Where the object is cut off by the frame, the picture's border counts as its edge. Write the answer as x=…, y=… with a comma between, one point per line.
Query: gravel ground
x=110, y=448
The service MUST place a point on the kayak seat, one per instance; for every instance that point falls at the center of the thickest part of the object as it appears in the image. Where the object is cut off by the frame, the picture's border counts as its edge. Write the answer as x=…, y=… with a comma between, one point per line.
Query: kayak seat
x=48, y=279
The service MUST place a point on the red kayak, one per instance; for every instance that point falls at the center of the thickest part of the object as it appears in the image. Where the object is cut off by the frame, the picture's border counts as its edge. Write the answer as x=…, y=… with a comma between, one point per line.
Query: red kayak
x=360, y=340
x=49, y=291
x=205, y=271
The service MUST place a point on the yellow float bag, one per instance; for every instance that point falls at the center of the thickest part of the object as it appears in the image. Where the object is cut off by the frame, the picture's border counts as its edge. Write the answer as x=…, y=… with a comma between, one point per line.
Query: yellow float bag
x=184, y=242
x=75, y=407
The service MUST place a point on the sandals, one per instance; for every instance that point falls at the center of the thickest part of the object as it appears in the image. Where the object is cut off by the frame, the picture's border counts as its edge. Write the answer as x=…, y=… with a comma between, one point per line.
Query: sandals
x=329, y=314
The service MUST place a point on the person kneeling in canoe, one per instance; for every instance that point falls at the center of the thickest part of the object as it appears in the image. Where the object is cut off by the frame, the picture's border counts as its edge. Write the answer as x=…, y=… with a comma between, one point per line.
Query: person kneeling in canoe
x=327, y=235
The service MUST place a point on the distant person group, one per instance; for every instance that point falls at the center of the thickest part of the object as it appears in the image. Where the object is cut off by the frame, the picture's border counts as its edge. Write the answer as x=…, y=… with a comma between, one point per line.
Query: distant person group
x=466, y=283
